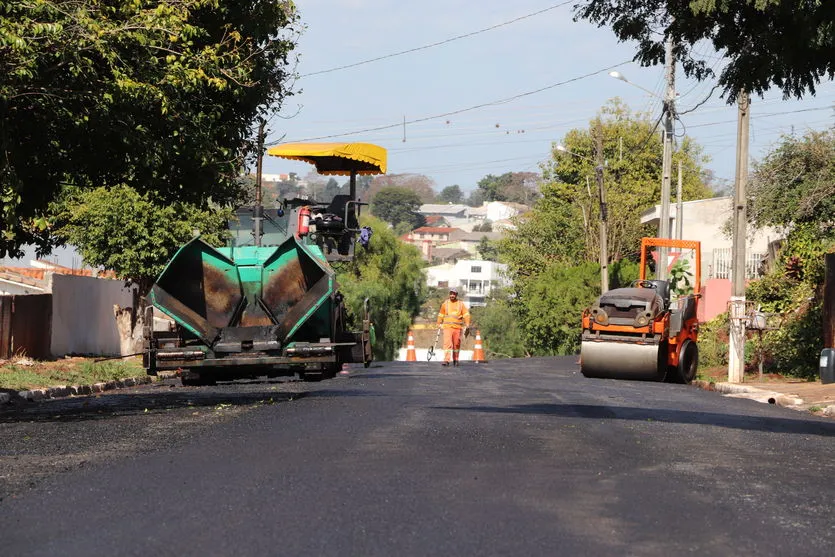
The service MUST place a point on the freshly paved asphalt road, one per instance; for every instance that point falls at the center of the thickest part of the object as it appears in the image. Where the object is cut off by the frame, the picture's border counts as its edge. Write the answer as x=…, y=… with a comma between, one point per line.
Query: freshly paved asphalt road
x=514, y=457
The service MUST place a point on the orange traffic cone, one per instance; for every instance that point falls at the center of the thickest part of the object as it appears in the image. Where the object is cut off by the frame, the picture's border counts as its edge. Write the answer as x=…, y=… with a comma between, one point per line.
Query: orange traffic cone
x=410, y=348
x=478, y=350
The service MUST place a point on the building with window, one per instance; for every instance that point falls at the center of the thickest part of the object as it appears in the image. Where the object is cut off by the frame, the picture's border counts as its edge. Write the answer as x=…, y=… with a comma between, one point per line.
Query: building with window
x=474, y=278
x=708, y=221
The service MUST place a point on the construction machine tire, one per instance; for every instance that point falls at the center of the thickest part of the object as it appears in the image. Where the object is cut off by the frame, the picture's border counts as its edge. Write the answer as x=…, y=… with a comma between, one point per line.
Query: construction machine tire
x=688, y=363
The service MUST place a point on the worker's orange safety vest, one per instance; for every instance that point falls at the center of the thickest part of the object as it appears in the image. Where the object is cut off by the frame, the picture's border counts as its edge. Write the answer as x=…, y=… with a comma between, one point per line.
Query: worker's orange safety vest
x=453, y=315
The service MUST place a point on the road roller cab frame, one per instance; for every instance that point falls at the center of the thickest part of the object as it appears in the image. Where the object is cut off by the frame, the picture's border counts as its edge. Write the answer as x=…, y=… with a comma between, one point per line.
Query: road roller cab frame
x=267, y=304
x=638, y=333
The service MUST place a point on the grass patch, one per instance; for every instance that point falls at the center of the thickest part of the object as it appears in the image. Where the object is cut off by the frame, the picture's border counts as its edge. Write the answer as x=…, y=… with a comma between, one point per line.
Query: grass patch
x=22, y=374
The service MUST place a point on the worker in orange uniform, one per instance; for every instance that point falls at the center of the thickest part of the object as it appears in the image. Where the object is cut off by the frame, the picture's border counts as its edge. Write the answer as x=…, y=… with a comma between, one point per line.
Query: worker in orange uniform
x=453, y=318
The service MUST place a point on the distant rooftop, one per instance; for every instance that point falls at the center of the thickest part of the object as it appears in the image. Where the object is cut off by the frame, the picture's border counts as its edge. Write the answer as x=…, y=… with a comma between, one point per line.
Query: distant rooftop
x=440, y=209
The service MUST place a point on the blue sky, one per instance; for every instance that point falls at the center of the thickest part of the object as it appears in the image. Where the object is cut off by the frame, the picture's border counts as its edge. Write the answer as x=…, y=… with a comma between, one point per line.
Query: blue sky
x=516, y=59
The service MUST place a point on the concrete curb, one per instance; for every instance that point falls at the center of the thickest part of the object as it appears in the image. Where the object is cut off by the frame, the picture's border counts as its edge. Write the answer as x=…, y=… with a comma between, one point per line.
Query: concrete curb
x=63, y=391
x=763, y=395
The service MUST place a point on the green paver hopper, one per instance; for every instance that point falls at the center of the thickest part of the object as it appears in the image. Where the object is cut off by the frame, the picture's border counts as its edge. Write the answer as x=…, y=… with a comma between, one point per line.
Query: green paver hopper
x=267, y=304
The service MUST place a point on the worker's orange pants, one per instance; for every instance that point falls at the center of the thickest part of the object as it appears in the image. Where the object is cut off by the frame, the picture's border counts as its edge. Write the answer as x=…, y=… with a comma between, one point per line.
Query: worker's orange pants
x=452, y=344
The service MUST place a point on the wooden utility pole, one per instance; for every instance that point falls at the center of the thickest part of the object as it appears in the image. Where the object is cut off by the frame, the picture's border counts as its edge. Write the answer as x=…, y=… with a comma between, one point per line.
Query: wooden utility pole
x=258, y=210
x=604, y=213
x=736, y=350
x=666, y=169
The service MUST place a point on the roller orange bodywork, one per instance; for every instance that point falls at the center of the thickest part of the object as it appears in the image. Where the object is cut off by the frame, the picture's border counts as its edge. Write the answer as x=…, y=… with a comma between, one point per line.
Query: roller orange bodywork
x=636, y=333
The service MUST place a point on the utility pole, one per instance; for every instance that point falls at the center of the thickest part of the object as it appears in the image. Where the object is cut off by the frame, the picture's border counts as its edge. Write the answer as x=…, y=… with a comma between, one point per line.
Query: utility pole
x=666, y=169
x=604, y=216
x=736, y=350
x=679, y=207
x=258, y=212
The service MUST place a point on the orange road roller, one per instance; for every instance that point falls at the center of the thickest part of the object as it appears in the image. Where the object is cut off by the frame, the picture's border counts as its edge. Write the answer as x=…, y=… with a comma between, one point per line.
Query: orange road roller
x=641, y=333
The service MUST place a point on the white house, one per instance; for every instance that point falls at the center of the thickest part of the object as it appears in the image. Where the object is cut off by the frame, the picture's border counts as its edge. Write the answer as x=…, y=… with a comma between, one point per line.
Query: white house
x=705, y=220
x=474, y=278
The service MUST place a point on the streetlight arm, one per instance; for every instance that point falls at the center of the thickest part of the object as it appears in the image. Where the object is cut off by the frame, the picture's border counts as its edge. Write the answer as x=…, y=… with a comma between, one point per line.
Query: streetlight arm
x=620, y=76
x=562, y=149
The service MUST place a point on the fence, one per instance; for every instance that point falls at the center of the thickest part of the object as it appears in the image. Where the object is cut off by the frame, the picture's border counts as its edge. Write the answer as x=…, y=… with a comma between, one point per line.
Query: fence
x=26, y=326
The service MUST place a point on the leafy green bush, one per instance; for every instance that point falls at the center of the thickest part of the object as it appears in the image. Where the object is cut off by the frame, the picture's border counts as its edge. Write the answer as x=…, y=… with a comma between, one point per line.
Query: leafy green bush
x=551, y=305
x=390, y=274
x=499, y=326
x=713, y=342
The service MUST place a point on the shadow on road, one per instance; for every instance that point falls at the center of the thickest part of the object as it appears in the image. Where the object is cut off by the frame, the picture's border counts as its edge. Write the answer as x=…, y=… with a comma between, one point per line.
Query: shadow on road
x=733, y=421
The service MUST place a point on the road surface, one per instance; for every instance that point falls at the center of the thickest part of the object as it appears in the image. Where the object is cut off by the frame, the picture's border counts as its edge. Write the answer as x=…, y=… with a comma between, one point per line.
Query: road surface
x=514, y=457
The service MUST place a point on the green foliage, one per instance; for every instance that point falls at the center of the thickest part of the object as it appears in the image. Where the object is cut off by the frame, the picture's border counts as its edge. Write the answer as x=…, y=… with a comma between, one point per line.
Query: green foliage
x=550, y=306
x=499, y=326
x=750, y=34
x=680, y=276
x=623, y=273
x=132, y=233
x=483, y=227
x=397, y=205
x=158, y=95
x=545, y=235
x=631, y=179
x=433, y=299
x=794, y=348
x=390, y=274
x=476, y=198
x=713, y=342
x=487, y=249
x=795, y=183
x=518, y=187
x=49, y=374
x=450, y=194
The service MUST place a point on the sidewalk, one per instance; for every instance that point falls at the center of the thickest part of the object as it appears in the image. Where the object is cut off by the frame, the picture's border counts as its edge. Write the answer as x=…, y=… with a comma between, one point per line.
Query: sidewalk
x=807, y=396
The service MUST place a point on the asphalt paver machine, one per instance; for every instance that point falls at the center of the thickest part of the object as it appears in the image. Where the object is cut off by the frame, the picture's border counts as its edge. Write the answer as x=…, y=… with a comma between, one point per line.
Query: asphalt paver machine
x=267, y=304
x=641, y=333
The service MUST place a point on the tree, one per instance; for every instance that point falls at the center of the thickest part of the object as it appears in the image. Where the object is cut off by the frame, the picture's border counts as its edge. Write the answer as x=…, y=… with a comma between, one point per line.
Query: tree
x=418, y=183
x=516, y=187
x=785, y=43
x=631, y=177
x=550, y=306
x=450, y=194
x=397, y=205
x=487, y=250
x=486, y=226
x=795, y=183
x=499, y=326
x=476, y=198
x=156, y=95
x=390, y=274
x=133, y=233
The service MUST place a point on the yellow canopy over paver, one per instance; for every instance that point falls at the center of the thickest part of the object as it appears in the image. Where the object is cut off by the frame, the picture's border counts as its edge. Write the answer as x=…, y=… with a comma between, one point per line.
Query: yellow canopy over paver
x=335, y=158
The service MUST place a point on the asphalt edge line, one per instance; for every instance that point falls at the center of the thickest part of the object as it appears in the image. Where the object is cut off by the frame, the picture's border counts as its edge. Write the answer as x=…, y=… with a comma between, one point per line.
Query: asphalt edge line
x=63, y=391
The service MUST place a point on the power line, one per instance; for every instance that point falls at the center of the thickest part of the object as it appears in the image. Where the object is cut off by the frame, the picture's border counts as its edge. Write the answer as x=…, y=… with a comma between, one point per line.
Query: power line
x=452, y=113
x=445, y=41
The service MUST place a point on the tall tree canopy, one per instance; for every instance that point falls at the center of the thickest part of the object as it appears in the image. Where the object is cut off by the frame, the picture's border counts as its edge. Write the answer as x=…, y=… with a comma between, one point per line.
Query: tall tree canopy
x=398, y=205
x=795, y=183
x=564, y=224
x=422, y=185
x=517, y=187
x=450, y=194
x=159, y=95
x=789, y=44
x=390, y=275
x=552, y=256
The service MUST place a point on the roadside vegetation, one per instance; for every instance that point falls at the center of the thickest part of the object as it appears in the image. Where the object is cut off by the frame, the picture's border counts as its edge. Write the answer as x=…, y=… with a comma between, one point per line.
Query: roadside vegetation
x=22, y=373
